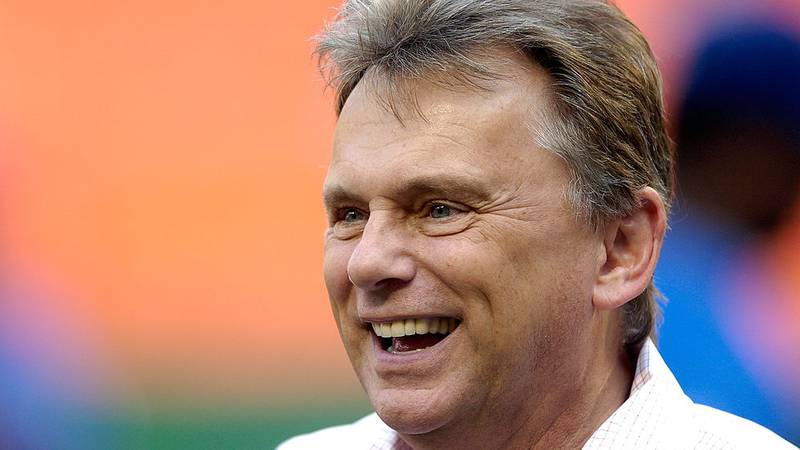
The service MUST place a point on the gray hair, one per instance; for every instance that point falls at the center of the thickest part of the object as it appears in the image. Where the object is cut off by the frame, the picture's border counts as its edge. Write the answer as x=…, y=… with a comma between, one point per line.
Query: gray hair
x=607, y=116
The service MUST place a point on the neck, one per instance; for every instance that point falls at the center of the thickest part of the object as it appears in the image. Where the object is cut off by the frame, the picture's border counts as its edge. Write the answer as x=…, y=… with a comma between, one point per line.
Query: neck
x=591, y=406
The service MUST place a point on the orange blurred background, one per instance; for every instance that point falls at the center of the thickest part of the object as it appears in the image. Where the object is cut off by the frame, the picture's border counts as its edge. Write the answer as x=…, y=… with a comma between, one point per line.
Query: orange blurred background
x=163, y=182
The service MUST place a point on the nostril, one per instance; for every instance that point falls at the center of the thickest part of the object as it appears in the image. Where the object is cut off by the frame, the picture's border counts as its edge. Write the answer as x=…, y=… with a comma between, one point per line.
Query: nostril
x=390, y=283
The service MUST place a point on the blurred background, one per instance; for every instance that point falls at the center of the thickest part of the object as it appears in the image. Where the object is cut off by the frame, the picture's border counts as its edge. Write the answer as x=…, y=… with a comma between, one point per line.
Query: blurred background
x=161, y=222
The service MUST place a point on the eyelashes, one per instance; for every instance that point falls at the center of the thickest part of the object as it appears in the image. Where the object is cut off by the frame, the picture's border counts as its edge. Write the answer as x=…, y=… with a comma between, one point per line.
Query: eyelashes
x=350, y=215
x=432, y=210
x=434, y=218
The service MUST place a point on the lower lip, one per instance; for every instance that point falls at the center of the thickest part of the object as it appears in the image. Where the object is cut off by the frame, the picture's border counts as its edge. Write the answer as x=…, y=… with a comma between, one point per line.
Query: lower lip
x=429, y=356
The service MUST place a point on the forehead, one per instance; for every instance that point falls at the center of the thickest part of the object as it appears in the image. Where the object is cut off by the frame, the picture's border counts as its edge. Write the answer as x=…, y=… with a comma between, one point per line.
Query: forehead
x=465, y=131
x=379, y=113
x=520, y=86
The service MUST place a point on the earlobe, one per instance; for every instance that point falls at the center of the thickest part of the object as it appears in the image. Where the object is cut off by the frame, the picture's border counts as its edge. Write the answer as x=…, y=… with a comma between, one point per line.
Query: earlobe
x=632, y=245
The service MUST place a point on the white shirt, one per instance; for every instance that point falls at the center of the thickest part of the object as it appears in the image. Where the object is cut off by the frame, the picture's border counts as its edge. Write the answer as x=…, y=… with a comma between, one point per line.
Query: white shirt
x=657, y=415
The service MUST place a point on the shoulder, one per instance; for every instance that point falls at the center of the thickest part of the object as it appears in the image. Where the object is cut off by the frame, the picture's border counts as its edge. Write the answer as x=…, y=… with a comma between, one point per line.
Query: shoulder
x=659, y=415
x=362, y=434
x=719, y=429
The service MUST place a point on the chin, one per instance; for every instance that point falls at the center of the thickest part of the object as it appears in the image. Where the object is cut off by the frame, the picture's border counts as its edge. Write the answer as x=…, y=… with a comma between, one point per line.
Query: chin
x=411, y=411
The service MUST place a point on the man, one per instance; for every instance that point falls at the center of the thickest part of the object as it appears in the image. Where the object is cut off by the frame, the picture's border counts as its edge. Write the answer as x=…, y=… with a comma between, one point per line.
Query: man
x=497, y=196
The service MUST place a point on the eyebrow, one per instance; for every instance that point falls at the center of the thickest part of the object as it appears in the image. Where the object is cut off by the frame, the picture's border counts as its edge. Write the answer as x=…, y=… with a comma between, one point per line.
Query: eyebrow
x=335, y=195
x=448, y=186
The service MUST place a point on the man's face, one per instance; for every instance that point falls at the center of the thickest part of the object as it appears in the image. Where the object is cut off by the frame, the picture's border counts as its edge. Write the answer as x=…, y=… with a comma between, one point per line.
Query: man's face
x=458, y=217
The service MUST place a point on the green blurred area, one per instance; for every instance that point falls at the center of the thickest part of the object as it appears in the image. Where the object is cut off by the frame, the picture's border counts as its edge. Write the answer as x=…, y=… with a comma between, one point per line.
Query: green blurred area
x=231, y=429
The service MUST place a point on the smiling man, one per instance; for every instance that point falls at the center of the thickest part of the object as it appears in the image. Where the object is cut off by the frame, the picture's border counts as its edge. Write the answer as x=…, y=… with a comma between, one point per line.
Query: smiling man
x=497, y=196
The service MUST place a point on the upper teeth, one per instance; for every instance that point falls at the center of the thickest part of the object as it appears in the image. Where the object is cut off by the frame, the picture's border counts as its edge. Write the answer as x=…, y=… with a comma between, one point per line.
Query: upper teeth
x=410, y=327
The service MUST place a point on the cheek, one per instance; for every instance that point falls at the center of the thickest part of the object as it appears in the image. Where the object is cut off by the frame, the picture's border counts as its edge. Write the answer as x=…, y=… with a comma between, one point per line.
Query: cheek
x=514, y=281
x=336, y=259
x=337, y=256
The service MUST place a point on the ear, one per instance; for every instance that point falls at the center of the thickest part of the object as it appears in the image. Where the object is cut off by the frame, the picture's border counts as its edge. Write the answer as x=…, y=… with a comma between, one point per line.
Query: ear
x=632, y=245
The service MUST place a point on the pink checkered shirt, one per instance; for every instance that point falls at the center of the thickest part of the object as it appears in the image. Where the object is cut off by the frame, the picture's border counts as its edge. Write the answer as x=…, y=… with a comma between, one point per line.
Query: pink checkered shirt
x=657, y=415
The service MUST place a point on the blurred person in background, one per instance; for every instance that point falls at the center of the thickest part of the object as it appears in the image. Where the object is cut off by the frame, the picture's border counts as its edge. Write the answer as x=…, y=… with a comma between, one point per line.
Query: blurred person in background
x=729, y=264
x=497, y=197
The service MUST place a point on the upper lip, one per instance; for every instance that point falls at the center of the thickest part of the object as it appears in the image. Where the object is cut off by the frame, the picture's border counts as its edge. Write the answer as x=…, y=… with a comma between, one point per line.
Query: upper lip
x=388, y=319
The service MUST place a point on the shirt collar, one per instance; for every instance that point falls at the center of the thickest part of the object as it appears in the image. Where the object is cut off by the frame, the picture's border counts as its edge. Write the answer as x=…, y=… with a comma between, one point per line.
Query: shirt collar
x=653, y=411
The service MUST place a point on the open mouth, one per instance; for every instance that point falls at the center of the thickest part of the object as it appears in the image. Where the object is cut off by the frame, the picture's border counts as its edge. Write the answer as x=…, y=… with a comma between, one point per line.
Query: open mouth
x=413, y=335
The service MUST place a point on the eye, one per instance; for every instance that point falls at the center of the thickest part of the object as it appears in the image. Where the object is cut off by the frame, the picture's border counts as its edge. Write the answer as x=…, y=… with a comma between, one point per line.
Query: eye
x=442, y=218
x=347, y=222
x=440, y=211
x=351, y=215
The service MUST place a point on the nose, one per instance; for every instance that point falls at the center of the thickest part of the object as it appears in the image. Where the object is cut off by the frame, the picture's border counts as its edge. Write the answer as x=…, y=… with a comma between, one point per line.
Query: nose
x=382, y=256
